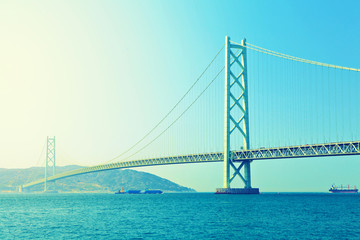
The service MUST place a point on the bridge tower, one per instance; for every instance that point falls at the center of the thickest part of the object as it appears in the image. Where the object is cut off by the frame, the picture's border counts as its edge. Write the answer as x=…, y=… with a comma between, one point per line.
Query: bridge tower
x=50, y=161
x=236, y=118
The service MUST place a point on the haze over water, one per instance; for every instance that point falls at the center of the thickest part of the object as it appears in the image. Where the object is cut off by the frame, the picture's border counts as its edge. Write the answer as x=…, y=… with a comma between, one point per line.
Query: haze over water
x=179, y=216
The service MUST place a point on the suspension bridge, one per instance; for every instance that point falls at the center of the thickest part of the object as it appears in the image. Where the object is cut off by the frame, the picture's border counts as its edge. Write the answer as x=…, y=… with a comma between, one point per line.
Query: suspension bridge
x=306, y=107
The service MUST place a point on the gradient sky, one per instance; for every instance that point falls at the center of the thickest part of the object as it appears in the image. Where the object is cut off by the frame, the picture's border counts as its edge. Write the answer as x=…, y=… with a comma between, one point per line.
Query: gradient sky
x=99, y=74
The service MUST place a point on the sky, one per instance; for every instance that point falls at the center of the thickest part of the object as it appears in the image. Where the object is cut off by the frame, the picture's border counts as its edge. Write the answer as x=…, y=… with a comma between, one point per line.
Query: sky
x=99, y=74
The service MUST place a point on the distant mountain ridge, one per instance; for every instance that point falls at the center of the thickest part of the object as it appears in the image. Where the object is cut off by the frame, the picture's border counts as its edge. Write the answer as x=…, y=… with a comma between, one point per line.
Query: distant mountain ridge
x=105, y=181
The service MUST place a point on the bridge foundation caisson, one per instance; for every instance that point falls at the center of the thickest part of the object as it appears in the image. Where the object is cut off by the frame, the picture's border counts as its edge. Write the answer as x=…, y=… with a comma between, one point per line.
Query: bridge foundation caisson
x=236, y=118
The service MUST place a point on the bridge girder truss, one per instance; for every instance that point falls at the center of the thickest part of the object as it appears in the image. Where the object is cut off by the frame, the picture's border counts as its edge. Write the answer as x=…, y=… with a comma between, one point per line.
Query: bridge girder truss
x=314, y=150
x=302, y=151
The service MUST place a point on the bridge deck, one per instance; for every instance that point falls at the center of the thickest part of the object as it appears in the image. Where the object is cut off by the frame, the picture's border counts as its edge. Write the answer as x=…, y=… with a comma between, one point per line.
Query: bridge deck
x=314, y=150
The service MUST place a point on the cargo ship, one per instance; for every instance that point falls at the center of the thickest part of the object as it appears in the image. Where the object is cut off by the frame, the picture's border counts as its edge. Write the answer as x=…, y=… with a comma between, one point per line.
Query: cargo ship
x=147, y=191
x=128, y=191
x=335, y=189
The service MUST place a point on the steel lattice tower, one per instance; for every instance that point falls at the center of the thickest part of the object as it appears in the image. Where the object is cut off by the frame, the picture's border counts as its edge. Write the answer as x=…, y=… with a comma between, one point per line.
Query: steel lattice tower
x=50, y=160
x=236, y=116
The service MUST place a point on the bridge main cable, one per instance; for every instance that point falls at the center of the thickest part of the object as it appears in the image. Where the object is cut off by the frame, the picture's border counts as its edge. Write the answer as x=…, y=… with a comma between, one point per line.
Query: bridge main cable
x=289, y=57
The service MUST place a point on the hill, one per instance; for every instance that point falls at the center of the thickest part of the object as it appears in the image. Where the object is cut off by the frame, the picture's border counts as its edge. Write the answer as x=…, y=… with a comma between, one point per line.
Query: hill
x=106, y=181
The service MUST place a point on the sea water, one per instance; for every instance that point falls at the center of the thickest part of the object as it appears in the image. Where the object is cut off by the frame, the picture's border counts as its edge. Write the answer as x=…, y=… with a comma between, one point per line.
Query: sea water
x=180, y=216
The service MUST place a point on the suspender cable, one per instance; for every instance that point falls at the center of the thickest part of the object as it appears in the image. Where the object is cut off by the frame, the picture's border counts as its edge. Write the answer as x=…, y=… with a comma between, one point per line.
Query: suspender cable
x=176, y=118
x=174, y=107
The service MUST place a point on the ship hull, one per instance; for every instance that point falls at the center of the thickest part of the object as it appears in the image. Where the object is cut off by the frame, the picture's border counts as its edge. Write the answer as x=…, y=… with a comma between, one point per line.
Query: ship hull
x=153, y=192
x=140, y=192
x=344, y=191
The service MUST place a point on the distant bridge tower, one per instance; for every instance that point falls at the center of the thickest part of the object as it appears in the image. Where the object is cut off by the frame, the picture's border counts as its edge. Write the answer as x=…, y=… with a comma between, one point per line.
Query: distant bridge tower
x=50, y=160
x=236, y=118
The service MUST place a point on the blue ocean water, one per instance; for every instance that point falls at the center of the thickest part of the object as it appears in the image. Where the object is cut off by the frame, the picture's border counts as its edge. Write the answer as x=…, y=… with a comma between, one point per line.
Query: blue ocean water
x=180, y=216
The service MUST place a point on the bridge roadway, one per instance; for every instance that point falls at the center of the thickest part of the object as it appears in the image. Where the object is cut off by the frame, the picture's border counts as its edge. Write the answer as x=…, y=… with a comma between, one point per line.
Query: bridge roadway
x=314, y=150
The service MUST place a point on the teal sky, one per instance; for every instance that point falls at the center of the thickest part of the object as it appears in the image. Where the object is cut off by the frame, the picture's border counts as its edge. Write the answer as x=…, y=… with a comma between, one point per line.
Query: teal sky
x=99, y=74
